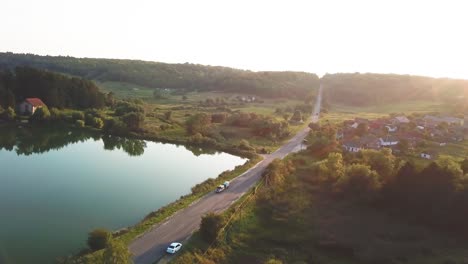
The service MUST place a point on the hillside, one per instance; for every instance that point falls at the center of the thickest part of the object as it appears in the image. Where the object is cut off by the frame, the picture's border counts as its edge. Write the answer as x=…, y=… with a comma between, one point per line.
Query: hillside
x=55, y=89
x=185, y=76
x=369, y=89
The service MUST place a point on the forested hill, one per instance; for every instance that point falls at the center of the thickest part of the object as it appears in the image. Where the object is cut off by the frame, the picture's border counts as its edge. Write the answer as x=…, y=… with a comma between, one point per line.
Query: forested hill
x=372, y=89
x=55, y=89
x=178, y=76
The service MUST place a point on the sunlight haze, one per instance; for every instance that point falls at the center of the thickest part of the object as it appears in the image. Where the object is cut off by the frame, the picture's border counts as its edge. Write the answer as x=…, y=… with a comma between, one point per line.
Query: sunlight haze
x=417, y=37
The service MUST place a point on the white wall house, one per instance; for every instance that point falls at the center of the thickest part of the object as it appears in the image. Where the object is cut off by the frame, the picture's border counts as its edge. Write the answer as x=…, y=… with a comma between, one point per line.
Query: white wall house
x=426, y=155
x=388, y=141
x=30, y=105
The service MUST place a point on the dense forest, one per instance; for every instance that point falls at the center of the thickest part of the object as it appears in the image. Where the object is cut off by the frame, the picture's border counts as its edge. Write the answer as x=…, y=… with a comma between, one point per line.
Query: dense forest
x=55, y=90
x=373, y=89
x=177, y=76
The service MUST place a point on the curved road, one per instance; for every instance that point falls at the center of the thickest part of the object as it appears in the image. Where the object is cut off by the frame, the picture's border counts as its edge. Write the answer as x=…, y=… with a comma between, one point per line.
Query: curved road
x=150, y=247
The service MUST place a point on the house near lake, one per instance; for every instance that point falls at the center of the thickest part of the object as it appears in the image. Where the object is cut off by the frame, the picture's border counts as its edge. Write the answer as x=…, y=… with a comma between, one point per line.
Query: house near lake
x=30, y=105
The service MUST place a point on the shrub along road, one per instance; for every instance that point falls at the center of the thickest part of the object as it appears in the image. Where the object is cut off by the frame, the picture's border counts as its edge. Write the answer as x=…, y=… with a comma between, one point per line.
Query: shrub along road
x=150, y=247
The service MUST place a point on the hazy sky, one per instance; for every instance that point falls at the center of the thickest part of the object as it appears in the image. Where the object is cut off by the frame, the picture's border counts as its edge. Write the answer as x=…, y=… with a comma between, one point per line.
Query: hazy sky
x=416, y=37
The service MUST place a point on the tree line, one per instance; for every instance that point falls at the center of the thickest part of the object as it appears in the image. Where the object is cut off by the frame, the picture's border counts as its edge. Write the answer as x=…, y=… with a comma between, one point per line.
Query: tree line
x=185, y=76
x=372, y=89
x=54, y=89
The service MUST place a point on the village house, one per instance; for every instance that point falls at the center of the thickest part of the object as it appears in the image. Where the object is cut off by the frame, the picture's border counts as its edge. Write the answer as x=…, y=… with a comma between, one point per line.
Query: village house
x=352, y=146
x=391, y=128
x=30, y=105
x=388, y=141
x=435, y=120
x=428, y=155
x=400, y=120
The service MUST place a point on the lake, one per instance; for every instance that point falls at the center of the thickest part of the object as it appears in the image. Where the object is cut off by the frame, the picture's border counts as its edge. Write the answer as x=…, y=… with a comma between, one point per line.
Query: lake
x=57, y=185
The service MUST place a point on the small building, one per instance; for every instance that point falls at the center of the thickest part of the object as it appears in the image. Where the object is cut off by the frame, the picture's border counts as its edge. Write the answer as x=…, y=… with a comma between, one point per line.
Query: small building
x=401, y=120
x=30, y=105
x=370, y=142
x=391, y=128
x=388, y=141
x=435, y=120
x=352, y=146
x=428, y=155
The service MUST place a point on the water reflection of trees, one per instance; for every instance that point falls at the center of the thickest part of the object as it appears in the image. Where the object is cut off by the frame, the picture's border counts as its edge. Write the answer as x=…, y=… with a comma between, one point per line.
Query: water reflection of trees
x=40, y=139
x=30, y=140
x=133, y=147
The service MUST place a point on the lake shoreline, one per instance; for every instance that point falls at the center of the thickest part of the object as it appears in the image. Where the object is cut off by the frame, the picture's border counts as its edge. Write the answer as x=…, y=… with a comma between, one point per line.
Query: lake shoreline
x=152, y=219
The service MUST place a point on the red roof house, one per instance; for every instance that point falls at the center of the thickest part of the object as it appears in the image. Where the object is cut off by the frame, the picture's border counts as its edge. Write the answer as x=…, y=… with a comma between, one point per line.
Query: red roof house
x=30, y=105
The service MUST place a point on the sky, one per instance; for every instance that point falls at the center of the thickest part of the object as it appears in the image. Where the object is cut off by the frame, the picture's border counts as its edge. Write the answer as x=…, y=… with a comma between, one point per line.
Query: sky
x=406, y=37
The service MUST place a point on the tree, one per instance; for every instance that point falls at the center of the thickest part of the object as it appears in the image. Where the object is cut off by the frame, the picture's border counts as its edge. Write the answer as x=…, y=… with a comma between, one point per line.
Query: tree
x=117, y=253
x=78, y=115
x=273, y=261
x=79, y=123
x=403, y=146
x=297, y=116
x=134, y=120
x=41, y=114
x=98, y=239
x=55, y=114
x=332, y=169
x=168, y=115
x=218, y=118
x=359, y=182
x=9, y=114
x=245, y=145
x=98, y=123
x=198, y=123
x=382, y=161
x=362, y=129
x=210, y=226
x=464, y=165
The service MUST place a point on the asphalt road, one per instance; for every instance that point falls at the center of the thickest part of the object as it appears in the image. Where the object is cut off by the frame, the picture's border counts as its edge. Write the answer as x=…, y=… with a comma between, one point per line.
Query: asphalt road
x=150, y=247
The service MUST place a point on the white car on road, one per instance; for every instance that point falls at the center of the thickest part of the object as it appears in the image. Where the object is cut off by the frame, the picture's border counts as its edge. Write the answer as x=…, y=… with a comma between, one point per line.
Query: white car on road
x=173, y=247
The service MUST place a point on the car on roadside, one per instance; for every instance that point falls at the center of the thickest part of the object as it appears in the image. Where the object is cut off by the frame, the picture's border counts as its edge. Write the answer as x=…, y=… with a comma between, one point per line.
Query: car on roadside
x=222, y=187
x=173, y=247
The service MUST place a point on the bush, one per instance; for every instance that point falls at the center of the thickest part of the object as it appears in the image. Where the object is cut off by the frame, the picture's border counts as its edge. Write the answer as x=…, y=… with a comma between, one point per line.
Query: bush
x=210, y=226
x=97, y=123
x=78, y=115
x=9, y=114
x=134, y=120
x=41, y=114
x=359, y=182
x=245, y=145
x=56, y=114
x=79, y=123
x=117, y=253
x=98, y=239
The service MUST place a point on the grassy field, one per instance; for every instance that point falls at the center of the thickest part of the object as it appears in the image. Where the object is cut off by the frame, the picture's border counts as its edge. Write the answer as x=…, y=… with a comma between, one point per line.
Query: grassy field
x=338, y=113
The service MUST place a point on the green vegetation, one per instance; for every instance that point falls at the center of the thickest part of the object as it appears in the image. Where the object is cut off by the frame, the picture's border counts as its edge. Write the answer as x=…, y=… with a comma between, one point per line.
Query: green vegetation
x=210, y=227
x=116, y=253
x=55, y=90
x=98, y=239
x=183, y=77
x=383, y=89
x=127, y=235
x=369, y=207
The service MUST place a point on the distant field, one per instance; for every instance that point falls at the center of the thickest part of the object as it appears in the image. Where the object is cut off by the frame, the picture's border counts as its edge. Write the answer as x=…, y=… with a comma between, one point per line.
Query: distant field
x=337, y=113
x=126, y=90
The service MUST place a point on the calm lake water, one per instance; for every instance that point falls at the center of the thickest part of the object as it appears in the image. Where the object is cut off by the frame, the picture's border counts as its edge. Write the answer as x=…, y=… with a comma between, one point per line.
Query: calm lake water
x=56, y=186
